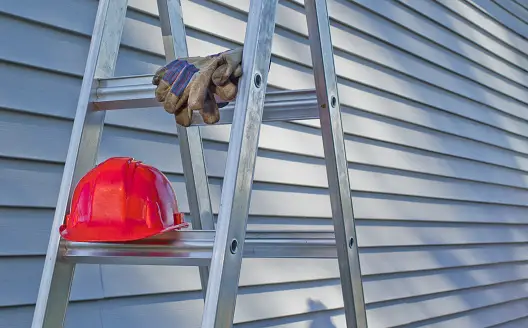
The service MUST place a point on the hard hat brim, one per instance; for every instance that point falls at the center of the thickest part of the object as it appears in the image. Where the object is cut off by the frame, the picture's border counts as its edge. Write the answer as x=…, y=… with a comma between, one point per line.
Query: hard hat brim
x=105, y=234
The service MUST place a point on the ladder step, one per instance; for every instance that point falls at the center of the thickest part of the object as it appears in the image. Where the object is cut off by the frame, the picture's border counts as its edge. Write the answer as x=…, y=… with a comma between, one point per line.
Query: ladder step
x=195, y=247
x=138, y=92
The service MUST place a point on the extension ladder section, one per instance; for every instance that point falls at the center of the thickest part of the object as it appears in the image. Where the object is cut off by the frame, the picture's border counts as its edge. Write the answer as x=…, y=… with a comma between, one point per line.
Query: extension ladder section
x=217, y=253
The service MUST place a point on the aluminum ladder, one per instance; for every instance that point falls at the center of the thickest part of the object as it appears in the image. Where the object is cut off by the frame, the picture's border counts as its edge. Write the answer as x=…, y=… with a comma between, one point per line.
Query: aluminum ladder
x=218, y=254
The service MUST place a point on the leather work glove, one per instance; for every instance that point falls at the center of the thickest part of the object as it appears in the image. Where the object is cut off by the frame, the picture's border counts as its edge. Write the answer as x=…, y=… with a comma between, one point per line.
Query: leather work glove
x=186, y=84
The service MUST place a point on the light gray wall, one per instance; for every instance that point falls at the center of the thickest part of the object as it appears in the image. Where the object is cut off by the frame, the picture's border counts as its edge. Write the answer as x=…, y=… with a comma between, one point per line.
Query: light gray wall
x=435, y=110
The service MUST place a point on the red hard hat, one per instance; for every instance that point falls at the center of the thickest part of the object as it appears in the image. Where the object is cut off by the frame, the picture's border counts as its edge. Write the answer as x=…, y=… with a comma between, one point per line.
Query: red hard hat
x=122, y=199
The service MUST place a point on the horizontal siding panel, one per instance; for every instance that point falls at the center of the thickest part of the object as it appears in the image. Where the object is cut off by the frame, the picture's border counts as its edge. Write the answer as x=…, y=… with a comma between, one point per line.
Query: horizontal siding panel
x=14, y=222
x=264, y=303
x=411, y=234
x=486, y=317
x=377, y=288
x=392, y=24
x=452, y=33
x=324, y=318
x=38, y=137
x=20, y=279
x=46, y=89
x=131, y=280
x=522, y=3
x=73, y=50
x=395, y=287
x=515, y=9
x=185, y=310
x=521, y=322
x=448, y=49
x=399, y=260
x=78, y=315
x=397, y=313
x=256, y=303
x=385, y=207
x=80, y=21
x=497, y=18
x=288, y=301
x=491, y=34
x=388, y=130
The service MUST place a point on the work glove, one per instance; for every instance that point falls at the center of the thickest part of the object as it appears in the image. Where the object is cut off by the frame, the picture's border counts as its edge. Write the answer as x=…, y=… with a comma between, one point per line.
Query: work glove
x=186, y=84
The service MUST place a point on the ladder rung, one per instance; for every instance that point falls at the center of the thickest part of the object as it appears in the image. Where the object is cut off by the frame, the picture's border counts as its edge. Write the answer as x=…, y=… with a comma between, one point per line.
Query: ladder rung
x=194, y=247
x=138, y=92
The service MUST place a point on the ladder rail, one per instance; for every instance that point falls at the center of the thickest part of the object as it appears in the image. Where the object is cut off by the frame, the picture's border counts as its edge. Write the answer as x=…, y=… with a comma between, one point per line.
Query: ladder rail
x=57, y=276
x=336, y=162
x=240, y=166
x=191, y=147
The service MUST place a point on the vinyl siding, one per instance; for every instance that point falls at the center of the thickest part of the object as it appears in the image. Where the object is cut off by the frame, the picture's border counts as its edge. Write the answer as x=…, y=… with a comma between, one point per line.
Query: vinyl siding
x=435, y=109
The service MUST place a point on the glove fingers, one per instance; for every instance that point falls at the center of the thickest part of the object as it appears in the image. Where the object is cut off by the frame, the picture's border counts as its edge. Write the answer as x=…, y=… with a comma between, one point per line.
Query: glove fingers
x=228, y=72
x=233, y=59
x=210, y=112
x=227, y=91
x=200, y=85
x=218, y=75
x=170, y=103
x=222, y=74
x=182, y=102
x=238, y=71
x=184, y=118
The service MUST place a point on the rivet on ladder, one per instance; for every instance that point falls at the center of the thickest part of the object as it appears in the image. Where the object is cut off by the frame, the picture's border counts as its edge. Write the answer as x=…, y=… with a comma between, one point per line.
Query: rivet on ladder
x=258, y=80
x=234, y=246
